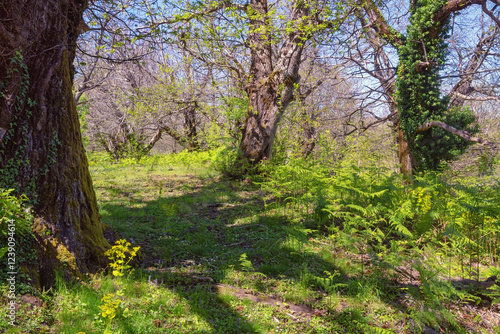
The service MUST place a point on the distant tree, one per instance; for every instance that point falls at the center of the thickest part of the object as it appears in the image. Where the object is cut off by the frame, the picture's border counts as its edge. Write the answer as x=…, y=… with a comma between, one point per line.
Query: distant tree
x=41, y=151
x=106, y=42
x=261, y=46
x=323, y=107
x=162, y=93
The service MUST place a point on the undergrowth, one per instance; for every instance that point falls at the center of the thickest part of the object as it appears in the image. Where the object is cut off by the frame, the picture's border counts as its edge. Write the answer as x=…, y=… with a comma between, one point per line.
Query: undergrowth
x=431, y=233
x=305, y=248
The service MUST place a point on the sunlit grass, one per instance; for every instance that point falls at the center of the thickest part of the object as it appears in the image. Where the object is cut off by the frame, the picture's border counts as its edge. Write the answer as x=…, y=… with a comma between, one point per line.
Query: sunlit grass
x=222, y=256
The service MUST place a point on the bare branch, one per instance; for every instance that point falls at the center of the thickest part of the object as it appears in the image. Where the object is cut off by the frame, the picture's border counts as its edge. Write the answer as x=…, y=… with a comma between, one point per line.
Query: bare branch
x=475, y=98
x=451, y=7
x=490, y=13
x=459, y=93
x=379, y=23
x=460, y=133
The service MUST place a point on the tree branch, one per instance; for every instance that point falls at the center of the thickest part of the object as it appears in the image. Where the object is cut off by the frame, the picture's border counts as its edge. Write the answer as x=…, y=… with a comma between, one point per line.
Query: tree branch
x=379, y=24
x=453, y=6
x=464, y=97
x=490, y=13
x=208, y=10
x=460, y=133
x=461, y=90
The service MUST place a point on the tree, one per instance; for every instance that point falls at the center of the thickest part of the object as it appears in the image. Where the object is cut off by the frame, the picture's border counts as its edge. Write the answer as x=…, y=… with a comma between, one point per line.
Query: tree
x=261, y=45
x=41, y=151
x=162, y=93
x=271, y=80
x=323, y=108
x=422, y=117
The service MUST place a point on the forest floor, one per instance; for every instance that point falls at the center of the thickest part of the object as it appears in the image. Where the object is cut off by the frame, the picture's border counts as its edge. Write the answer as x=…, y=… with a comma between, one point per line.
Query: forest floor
x=216, y=257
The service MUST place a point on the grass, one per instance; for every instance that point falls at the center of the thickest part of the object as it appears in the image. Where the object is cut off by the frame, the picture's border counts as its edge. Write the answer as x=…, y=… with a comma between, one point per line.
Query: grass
x=216, y=258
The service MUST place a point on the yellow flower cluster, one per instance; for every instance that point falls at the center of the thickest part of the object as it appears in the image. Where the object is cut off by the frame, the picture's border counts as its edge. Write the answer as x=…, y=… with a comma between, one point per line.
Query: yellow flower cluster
x=424, y=199
x=118, y=256
x=111, y=304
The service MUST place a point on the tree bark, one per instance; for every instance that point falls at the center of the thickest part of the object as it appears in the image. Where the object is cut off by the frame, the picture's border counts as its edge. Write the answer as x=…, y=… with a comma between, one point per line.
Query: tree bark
x=271, y=82
x=261, y=125
x=190, y=129
x=457, y=132
x=406, y=159
x=42, y=134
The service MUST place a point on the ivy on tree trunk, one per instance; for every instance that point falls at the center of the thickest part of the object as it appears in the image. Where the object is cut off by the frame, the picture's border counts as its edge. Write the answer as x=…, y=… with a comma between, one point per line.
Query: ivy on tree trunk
x=421, y=56
x=41, y=151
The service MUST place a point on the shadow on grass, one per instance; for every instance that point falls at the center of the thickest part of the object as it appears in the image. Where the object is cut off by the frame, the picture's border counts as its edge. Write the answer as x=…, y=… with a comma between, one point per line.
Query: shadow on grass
x=203, y=235
x=201, y=299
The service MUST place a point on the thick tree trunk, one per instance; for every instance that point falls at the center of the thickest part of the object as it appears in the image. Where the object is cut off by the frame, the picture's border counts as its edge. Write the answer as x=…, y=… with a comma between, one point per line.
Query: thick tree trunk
x=42, y=133
x=269, y=95
x=271, y=79
x=261, y=123
x=260, y=126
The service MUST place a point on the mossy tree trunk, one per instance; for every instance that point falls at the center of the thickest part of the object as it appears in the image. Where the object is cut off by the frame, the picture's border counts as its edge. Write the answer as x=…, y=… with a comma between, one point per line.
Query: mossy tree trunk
x=41, y=150
x=405, y=156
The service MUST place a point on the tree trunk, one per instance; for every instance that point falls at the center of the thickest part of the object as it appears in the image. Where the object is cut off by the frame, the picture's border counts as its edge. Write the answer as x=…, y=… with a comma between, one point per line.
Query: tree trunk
x=309, y=141
x=272, y=80
x=190, y=95
x=190, y=129
x=406, y=160
x=261, y=125
x=42, y=153
x=385, y=74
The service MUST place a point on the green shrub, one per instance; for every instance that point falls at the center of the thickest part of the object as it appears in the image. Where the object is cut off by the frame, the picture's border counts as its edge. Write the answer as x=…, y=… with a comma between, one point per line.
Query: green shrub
x=12, y=211
x=227, y=161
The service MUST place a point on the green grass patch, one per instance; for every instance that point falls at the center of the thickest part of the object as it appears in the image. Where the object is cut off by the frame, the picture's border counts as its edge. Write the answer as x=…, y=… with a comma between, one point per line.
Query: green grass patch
x=309, y=249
